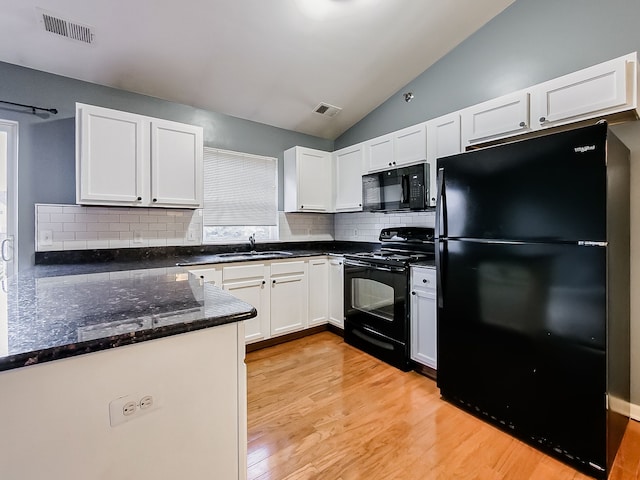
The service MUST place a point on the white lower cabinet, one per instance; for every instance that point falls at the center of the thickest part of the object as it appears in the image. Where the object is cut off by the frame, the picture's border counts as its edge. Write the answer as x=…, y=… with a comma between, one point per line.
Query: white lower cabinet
x=249, y=284
x=424, y=338
x=289, y=297
x=336, y=292
x=318, y=291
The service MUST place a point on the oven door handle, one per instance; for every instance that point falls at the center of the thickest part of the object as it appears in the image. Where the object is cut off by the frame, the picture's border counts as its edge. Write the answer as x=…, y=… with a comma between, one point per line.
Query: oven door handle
x=357, y=263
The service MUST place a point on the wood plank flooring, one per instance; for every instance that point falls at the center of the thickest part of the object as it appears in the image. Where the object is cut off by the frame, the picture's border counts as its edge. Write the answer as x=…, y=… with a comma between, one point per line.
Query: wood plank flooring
x=321, y=409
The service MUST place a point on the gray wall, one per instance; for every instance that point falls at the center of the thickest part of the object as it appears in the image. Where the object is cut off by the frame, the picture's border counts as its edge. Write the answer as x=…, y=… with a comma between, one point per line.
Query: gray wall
x=530, y=42
x=46, y=170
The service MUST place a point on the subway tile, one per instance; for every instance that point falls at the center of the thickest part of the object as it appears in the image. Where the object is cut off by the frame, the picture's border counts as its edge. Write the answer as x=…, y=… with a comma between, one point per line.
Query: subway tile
x=108, y=236
x=86, y=235
x=97, y=227
x=157, y=226
x=126, y=235
x=48, y=208
x=54, y=227
x=97, y=244
x=129, y=218
x=63, y=236
x=119, y=227
x=75, y=245
x=43, y=218
x=157, y=242
x=63, y=217
x=86, y=218
x=74, y=227
x=119, y=244
x=75, y=209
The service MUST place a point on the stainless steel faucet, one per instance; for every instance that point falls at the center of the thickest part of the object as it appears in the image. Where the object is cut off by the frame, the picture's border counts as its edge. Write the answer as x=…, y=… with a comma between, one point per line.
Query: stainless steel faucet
x=252, y=242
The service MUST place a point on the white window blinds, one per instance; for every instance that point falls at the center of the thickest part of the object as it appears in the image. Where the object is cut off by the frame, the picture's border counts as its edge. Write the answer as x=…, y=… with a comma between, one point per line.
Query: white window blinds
x=239, y=189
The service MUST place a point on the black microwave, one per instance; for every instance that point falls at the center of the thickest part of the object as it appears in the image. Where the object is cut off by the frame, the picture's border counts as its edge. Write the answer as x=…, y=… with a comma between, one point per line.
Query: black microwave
x=405, y=188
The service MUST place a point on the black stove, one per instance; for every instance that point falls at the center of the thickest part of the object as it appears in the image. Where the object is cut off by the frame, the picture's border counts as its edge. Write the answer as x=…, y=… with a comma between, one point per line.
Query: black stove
x=376, y=293
x=400, y=246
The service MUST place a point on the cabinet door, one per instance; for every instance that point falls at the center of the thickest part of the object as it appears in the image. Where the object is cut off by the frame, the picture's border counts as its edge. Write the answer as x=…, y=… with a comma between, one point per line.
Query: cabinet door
x=249, y=284
x=348, y=179
x=110, y=156
x=423, y=317
x=307, y=180
x=503, y=116
x=602, y=89
x=255, y=293
x=289, y=297
x=176, y=164
x=443, y=138
x=318, y=291
x=209, y=275
x=336, y=293
x=410, y=145
x=379, y=153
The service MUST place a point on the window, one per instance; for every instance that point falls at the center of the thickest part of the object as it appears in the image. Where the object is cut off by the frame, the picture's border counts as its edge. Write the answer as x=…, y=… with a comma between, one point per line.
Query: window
x=240, y=196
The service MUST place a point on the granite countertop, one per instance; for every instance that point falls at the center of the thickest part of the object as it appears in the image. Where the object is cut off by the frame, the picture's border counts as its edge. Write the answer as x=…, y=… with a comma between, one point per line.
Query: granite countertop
x=78, y=302
x=57, y=316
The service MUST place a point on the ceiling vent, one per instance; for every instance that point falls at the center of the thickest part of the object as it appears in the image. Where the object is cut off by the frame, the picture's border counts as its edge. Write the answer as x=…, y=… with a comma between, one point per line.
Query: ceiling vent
x=66, y=28
x=327, y=110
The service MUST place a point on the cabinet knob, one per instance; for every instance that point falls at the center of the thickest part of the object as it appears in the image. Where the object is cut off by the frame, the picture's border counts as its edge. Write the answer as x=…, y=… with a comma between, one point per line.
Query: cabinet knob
x=301, y=206
x=424, y=280
x=522, y=124
x=543, y=119
x=413, y=293
x=273, y=282
x=264, y=281
x=139, y=198
x=155, y=199
x=389, y=163
x=359, y=204
x=394, y=163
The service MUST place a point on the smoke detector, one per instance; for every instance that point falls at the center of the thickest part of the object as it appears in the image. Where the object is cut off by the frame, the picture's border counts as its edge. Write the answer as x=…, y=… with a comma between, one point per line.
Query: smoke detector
x=327, y=110
x=64, y=27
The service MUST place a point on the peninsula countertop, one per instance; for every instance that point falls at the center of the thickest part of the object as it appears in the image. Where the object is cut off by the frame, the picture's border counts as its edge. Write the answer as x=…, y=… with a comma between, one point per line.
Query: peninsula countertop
x=57, y=316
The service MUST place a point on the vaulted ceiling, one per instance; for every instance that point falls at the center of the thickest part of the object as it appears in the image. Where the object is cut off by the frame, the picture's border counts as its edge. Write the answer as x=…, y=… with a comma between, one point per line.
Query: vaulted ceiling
x=270, y=61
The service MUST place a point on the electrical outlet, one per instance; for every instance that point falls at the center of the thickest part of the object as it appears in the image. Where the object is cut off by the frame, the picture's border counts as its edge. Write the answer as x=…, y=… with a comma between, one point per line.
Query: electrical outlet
x=191, y=235
x=129, y=407
x=46, y=238
x=137, y=236
x=355, y=232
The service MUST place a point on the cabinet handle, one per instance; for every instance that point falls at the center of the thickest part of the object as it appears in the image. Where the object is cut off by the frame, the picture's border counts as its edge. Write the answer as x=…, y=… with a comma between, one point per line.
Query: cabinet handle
x=543, y=119
x=522, y=124
x=155, y=199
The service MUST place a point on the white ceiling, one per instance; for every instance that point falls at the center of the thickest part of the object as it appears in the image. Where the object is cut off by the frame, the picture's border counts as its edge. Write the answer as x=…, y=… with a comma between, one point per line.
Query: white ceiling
x=271, y=61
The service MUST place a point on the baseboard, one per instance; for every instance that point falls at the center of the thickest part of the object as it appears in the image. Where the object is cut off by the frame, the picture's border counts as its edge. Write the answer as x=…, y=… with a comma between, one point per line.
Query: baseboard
x=635, y=412
x=252, y=347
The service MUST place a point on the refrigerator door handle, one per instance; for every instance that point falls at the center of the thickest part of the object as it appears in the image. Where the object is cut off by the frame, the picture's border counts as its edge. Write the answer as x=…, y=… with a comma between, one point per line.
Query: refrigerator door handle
x=439, y=254
x=441, y=212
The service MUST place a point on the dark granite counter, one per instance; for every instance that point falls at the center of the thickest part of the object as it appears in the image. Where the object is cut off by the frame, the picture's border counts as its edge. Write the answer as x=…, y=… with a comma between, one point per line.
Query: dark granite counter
x=57, y=316
x=72, y=303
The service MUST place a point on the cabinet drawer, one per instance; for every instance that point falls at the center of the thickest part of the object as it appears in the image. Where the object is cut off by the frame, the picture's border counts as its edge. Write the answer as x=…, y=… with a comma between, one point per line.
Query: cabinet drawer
x=288, y=268
x=424, y=278
x=238, y=272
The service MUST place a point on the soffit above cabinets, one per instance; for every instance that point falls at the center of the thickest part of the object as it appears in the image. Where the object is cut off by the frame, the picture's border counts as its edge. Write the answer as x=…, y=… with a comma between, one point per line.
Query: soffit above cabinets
x=271, y=61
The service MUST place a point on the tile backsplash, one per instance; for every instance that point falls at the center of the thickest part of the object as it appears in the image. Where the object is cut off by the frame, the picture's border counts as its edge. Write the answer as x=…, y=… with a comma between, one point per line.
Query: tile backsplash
x=366, y=226
x=76, y=227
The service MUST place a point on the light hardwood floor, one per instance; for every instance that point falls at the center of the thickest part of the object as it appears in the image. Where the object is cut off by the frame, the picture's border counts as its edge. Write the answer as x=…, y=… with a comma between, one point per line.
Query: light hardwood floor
x=321, y=409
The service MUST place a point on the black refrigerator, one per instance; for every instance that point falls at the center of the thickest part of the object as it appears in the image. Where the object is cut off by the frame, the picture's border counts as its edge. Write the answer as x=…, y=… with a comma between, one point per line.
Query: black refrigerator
x=532, y=255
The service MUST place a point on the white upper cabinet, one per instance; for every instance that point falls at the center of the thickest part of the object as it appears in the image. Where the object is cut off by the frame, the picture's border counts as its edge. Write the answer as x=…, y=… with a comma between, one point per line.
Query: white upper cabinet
x=603, y=89
x=348, y=165
x=176, y=164
x=410, y=145
x=443, y=138
x=132, y=160
x=500, y=117
x=379, y=153
x=110, y=154
x=307, y=180
x=396, y=149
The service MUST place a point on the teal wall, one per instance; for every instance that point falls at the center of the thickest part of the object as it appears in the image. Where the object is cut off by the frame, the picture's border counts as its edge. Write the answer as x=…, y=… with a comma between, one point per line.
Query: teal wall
x=530, y=42
x=46, y=170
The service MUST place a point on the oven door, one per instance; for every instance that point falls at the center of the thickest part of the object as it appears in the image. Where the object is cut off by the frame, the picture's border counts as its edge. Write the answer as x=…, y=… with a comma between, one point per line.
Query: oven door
x=376, y=319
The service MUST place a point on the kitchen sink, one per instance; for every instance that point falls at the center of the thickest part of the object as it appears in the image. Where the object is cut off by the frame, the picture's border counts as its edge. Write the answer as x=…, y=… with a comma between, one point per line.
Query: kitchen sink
x=273, y=253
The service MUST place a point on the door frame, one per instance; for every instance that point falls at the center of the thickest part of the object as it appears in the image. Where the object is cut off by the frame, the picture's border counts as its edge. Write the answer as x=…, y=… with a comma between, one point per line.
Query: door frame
x=11, y=128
